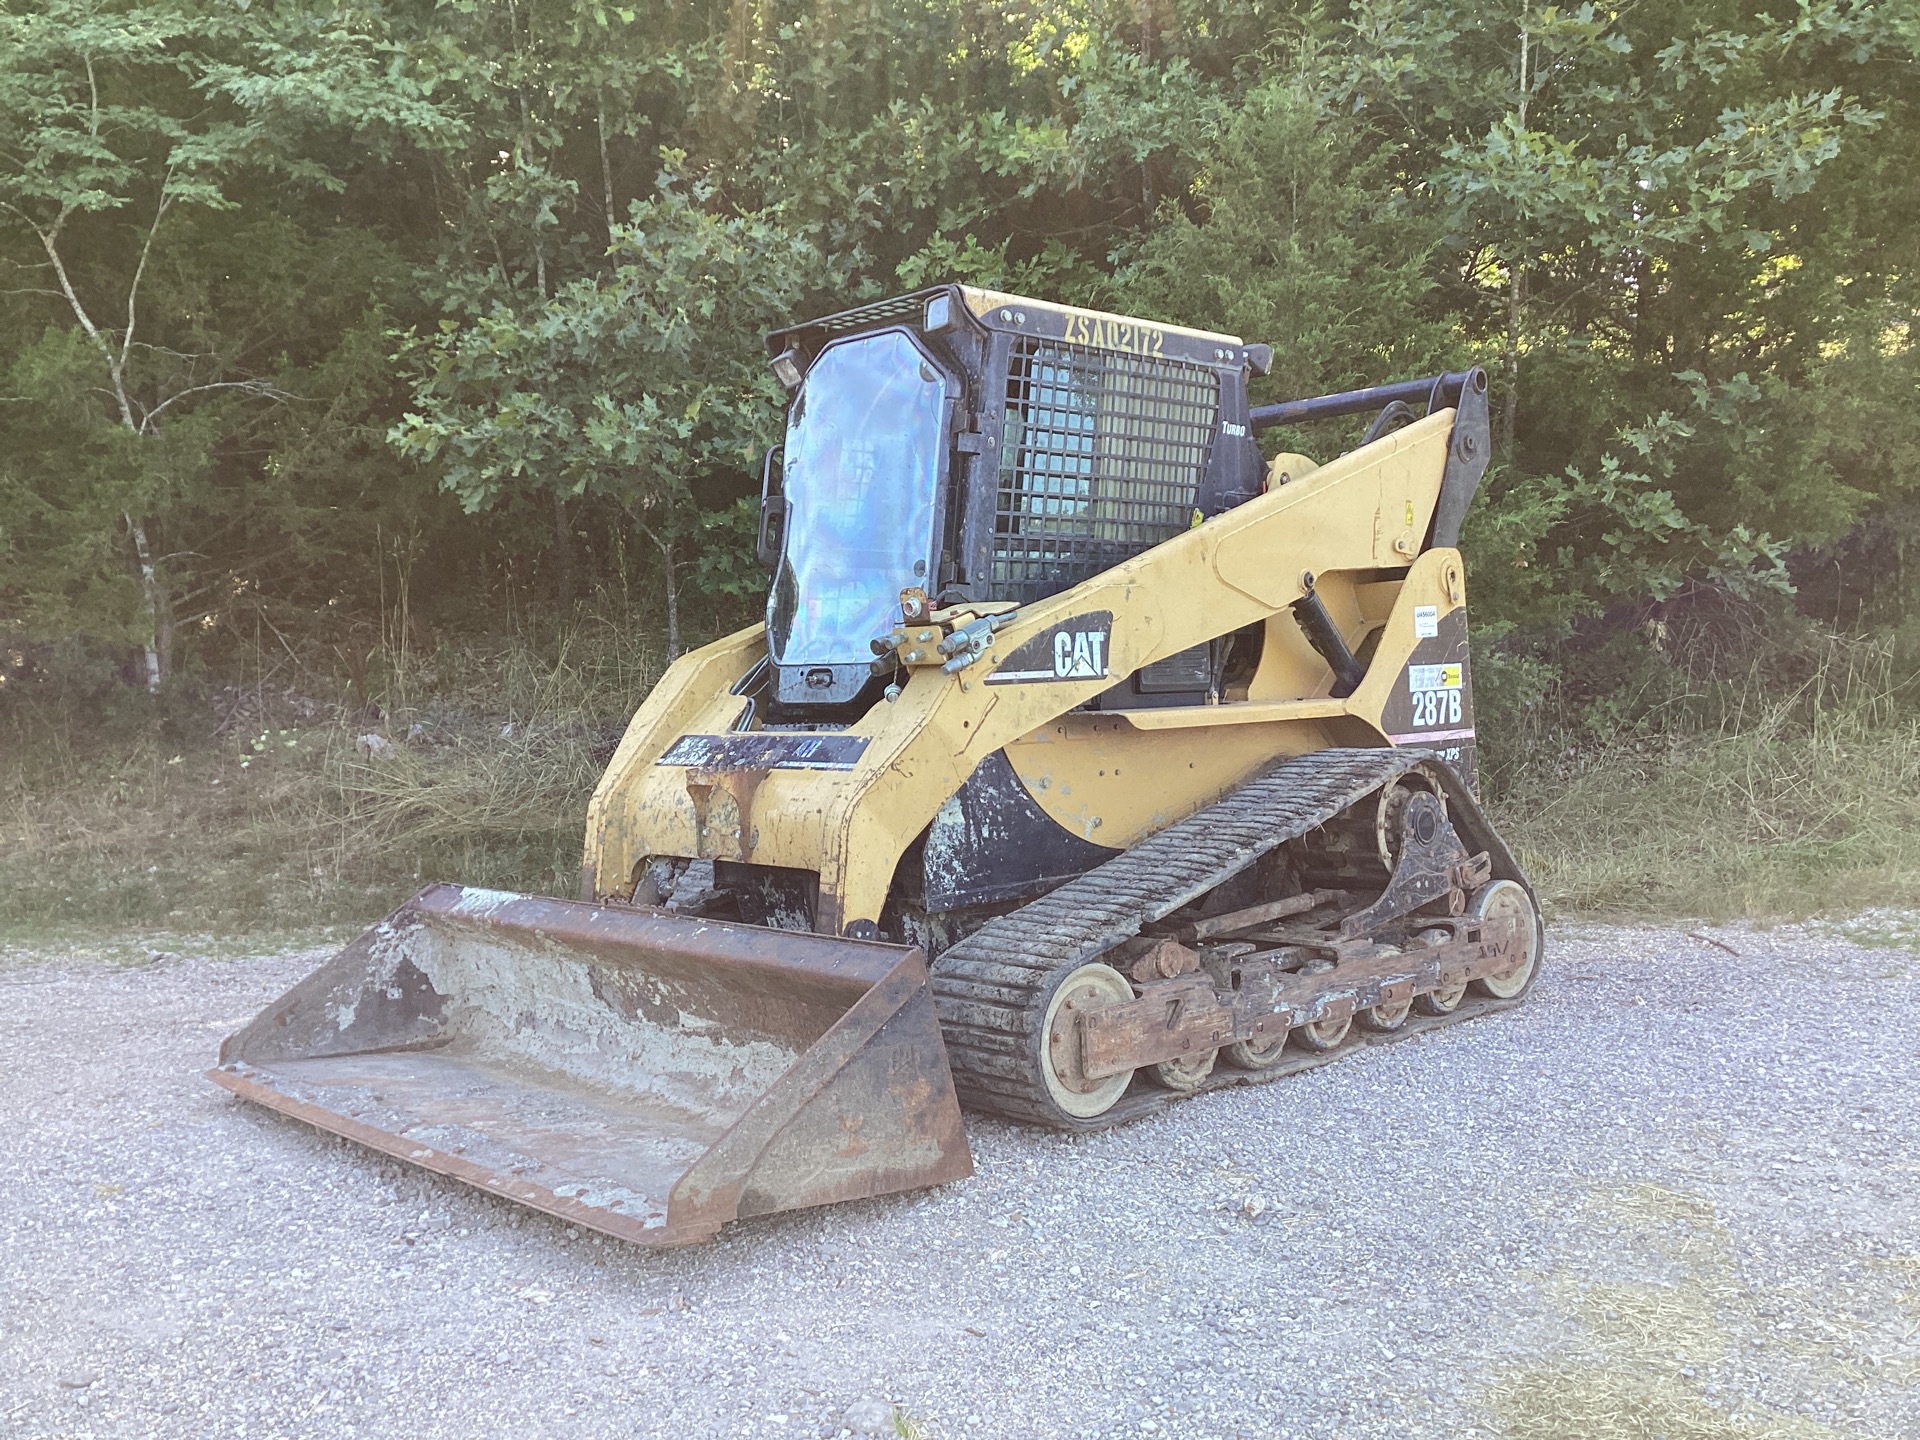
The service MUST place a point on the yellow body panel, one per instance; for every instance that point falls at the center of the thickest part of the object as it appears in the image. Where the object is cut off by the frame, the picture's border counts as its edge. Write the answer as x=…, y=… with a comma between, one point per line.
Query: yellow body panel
x=1114, y=783
x=1094, y=327
x=1110, y=777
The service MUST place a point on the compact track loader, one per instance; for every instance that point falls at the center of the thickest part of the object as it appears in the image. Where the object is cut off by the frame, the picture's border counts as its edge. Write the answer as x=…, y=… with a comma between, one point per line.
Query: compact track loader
x=1087, y=758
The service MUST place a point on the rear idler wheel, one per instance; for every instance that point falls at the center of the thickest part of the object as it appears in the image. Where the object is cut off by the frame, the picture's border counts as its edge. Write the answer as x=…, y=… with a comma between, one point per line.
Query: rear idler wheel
x=1509, y=900
x=1089, y=987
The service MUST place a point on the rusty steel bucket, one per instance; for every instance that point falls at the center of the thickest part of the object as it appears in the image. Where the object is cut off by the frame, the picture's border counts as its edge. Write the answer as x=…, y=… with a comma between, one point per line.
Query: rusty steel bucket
x=644, y=1074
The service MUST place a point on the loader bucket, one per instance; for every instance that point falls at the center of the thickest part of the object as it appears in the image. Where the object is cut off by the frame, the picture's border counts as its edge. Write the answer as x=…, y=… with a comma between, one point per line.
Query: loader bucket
x=644, y=1074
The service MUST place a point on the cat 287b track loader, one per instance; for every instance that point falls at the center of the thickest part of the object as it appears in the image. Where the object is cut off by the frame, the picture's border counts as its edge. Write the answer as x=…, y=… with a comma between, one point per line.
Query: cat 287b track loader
x=1087, y=757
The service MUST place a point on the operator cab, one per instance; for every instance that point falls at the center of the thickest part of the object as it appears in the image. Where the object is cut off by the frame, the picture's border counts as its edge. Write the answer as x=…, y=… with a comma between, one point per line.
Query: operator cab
x=982, y=448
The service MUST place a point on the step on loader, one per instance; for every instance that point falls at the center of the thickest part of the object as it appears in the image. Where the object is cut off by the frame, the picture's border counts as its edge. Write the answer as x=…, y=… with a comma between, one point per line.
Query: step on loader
x=1087, y=757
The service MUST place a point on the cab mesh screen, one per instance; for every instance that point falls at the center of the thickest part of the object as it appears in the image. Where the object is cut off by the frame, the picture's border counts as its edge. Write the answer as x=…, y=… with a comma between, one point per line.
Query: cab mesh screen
x=1100, y=460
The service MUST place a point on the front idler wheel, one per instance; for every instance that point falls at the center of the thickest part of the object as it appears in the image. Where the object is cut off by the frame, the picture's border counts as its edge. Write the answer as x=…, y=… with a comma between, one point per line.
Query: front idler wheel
x=1091, y=987
x=1509, y=900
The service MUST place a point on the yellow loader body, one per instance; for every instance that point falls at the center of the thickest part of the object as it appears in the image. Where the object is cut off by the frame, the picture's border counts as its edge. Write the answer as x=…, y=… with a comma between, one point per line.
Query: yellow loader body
x=1118, y=790
x=1112, y=778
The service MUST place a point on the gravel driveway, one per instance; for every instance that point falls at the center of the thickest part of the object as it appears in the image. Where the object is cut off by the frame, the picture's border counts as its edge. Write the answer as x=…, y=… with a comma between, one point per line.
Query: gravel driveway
x=1677, y=1195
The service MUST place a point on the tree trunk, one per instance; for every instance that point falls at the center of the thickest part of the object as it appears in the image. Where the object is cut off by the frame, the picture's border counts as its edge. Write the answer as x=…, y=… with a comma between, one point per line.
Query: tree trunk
x=670, y=570
x=673, y=602
x=163, y=630
x=158, y=645
x=1510, y=401
x=563, y=568
x=1149, y=32
x=606, y=170
x=1516, y=269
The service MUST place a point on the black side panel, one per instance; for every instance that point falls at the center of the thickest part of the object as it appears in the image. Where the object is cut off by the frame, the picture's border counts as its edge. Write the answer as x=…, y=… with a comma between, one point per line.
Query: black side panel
x=1431, y=704
x=771, y=895
x=1236, y=470
x=992, y=843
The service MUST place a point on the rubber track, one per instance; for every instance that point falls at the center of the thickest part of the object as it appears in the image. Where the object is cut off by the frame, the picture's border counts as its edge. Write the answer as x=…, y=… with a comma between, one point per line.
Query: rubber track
x=990, y=988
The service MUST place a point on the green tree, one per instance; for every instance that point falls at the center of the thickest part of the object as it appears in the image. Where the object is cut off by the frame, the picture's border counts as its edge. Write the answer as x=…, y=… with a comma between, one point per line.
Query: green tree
x=644, y=388
x=1297, y=241
x=1570, y=149
x=1683, y=236
x=1619, y=190
x=114, y=119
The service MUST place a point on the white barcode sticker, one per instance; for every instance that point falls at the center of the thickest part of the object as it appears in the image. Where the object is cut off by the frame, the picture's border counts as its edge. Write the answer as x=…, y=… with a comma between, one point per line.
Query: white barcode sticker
x=1433, y=677
x=1426, y=621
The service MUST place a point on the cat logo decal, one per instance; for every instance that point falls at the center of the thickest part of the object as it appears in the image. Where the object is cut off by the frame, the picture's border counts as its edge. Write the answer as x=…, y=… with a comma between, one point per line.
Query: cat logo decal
x=1075, y=649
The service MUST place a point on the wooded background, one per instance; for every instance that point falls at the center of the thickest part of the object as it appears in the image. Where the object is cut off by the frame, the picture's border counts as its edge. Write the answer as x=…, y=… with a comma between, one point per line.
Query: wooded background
x=329, y=321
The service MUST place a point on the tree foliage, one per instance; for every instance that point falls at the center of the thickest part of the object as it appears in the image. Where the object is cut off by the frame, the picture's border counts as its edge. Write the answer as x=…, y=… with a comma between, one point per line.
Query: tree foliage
x=301, y=290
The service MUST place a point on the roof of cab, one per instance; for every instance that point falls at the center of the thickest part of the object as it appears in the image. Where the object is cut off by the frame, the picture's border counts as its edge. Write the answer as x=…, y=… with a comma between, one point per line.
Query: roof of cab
x=991, y=308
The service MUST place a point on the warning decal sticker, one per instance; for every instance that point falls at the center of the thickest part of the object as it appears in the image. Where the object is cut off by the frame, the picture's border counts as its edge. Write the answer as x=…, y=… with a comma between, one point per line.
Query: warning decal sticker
x=1434, y=677
x=764, y=750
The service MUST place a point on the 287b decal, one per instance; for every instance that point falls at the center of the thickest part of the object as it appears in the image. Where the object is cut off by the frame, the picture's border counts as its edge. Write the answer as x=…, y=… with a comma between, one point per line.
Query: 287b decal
x=1435, y=691
x=1435, y=707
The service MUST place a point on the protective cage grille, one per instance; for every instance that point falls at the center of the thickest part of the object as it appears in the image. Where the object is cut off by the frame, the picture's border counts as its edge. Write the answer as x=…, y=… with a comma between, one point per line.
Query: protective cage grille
x=1100, y=459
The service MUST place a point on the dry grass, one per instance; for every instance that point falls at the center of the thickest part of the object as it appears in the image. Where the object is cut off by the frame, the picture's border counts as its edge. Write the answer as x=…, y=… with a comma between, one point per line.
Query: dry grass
x=1609, y=1402
x=1785, y=807
x=290, y=826
x=1780, y=807
x=1645, y=1350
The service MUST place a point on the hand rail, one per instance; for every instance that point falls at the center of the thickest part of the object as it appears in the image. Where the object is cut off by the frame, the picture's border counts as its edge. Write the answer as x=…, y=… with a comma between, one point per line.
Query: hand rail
x=1436, y=390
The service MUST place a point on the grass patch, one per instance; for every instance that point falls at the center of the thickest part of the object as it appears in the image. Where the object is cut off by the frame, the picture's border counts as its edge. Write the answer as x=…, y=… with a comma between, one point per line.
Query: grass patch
x=1651, y=1353
x=483, y=755
x=1882, y=930
x=478, y=769
x=1605, y=1402
x=1784, y=808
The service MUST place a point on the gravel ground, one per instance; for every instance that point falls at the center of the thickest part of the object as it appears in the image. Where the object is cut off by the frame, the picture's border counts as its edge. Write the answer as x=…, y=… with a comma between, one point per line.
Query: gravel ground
x=1675, y=1195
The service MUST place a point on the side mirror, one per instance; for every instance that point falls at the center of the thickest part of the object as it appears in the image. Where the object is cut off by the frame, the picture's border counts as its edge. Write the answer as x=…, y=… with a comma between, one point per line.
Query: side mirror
x=773, y=511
